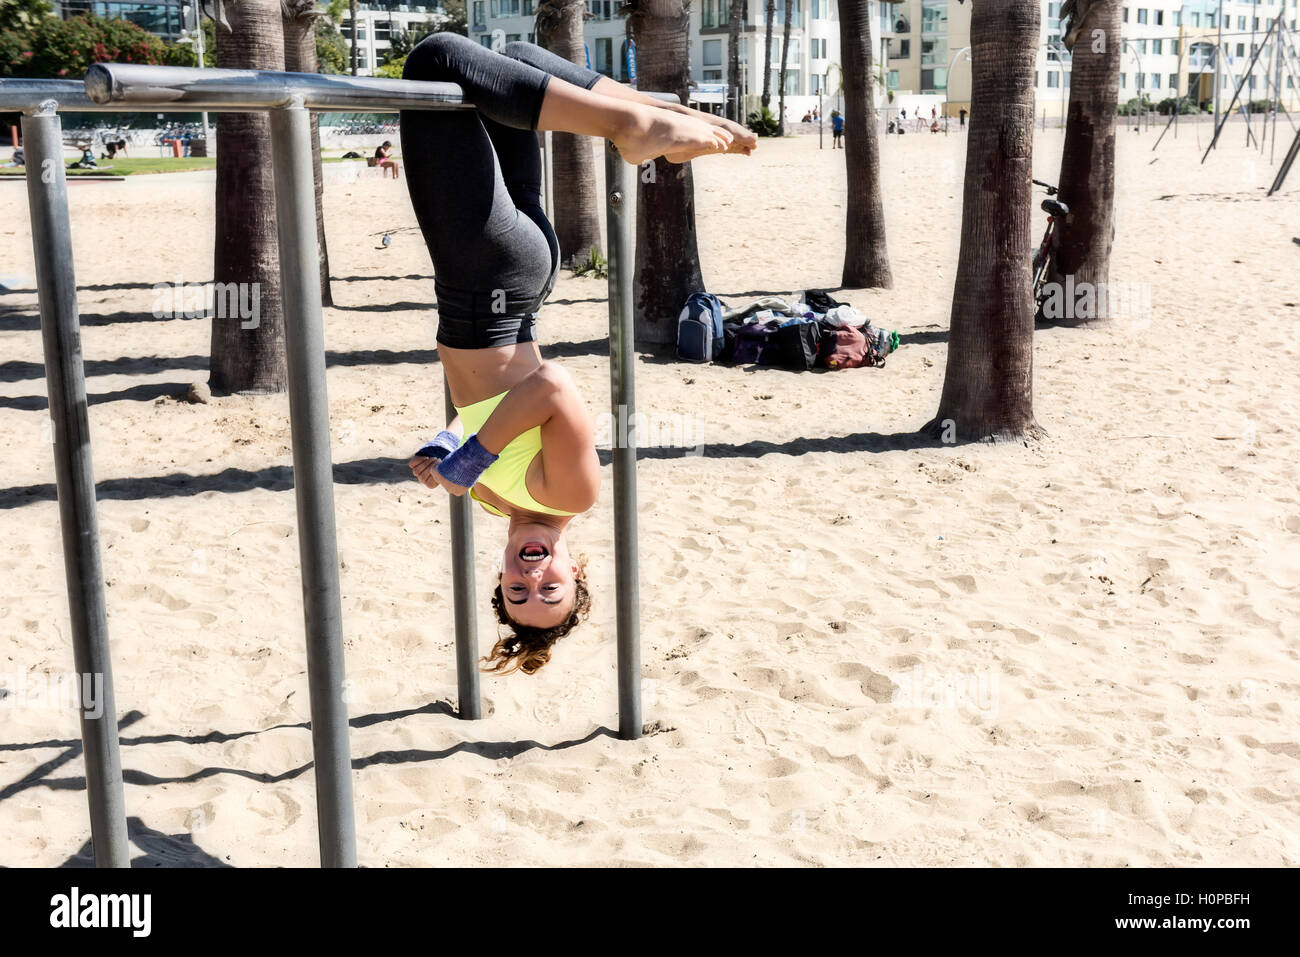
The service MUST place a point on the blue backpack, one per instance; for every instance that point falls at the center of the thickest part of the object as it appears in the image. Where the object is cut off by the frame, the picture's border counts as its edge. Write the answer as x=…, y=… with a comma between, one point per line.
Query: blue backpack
x=699, y=328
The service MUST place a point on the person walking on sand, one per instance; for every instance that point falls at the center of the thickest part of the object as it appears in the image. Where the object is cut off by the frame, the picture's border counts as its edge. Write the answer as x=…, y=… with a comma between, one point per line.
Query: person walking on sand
x=837, y=129
x=522, y=443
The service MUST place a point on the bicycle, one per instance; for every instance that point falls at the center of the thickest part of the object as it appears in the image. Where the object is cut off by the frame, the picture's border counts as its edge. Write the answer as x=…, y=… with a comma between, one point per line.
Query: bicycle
x=1055, y=210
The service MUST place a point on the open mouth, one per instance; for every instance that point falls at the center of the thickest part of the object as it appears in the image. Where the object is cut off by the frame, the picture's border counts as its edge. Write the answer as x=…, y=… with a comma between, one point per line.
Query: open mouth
x=533, y=552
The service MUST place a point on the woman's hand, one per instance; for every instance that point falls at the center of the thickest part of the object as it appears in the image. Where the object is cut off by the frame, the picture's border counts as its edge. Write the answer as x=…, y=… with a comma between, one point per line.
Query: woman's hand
x=426, y=471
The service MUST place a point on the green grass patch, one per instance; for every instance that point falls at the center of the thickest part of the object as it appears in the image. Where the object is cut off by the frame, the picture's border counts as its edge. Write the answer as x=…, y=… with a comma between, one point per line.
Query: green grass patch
x=135, y=165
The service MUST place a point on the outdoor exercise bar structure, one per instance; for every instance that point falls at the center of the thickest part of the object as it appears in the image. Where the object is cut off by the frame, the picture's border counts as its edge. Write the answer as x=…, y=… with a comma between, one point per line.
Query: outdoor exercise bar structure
x=288, y=98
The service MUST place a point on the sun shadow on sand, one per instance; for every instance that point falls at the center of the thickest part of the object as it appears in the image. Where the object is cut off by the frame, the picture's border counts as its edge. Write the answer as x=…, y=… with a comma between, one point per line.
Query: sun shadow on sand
x=389, y=471
x=179, y=850
x=156, y=850
x=20, y=370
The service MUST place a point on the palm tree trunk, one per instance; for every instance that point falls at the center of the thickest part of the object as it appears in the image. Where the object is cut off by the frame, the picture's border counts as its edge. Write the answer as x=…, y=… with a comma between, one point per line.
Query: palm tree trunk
x=247, y=352
x=988, y=383
x=300, y=57
x=1087, y=180
x=767, y=54
x=667, y=255
x=734, y=23
x=352, y=10
x=574, y=212
x=866, y=258
x=785, y=54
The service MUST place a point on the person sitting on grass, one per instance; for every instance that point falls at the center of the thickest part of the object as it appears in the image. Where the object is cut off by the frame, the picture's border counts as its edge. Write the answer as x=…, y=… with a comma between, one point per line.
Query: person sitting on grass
x=87, y=160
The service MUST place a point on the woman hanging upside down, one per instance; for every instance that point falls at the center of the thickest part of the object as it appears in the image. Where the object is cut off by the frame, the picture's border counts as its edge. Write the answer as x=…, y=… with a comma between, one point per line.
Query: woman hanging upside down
x=522, y=442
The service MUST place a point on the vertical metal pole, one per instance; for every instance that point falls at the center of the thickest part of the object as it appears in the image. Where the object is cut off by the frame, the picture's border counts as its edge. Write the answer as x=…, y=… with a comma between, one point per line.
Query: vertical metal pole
x=468, y=705
x=1218, y=48
x=313, y=480
x=47, y=198
x=548, y=174
x=1277, y=85
x=620, y=182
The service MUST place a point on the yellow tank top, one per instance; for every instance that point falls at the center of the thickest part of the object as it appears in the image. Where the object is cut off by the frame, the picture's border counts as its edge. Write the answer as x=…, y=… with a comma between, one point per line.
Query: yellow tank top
x=508, y=475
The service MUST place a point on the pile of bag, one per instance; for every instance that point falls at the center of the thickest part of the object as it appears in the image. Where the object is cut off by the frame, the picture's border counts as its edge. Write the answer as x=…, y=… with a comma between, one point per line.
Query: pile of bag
x=807, y=330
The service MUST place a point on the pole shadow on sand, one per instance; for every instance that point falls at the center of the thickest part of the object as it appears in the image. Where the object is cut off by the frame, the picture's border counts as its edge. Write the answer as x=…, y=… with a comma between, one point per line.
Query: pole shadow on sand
x=180, y=850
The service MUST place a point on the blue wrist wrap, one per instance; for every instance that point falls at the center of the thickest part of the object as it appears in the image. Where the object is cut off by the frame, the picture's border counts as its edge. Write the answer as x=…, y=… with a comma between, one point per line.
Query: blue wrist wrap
x=467, y=463
x=444, y=443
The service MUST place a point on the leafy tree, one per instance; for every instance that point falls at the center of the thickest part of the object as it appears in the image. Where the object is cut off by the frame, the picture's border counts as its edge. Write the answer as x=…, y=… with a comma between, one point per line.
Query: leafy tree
x=392, y=69
x=454, y=18
x=62, y=48
x=24, y=14
x=182, y=53
x=403, y=41
x=331, y=48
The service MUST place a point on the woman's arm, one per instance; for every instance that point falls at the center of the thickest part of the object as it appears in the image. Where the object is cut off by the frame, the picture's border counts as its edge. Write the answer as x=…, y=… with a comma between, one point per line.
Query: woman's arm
x=547, y=399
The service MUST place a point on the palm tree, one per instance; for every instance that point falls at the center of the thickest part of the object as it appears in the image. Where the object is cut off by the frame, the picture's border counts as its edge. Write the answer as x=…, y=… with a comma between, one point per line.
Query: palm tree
x=300, y=18
x=247, y=356
x=988, y=383
x=767, y=55
x=573, y=166
x=866, y=259
x=352, y=12
x=1087, y=179
x=667, y=256
x=785, y=54
x=734, y=23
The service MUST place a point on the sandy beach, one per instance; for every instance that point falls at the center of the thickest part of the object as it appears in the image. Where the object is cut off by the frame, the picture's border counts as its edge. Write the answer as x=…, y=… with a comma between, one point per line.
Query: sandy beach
x=859, y=648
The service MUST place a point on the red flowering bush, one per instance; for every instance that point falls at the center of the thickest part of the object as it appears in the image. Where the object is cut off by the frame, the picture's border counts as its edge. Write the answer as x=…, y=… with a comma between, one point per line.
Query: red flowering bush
x=66, y=48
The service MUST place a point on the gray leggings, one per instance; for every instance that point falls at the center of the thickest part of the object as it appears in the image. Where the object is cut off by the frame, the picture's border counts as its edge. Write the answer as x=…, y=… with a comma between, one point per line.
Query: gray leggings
x=475, y=179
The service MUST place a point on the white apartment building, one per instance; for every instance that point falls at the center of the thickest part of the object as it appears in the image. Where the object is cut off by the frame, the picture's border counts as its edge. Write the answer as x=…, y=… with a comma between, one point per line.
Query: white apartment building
x=921, y=46
x=377, y=21
x=812, y=65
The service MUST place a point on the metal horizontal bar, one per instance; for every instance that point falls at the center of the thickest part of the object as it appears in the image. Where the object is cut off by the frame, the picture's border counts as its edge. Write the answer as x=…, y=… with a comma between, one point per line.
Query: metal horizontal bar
x=136, y=86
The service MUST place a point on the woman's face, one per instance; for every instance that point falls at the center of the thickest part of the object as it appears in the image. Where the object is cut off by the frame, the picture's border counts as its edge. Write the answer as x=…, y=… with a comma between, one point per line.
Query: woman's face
x=538, y=578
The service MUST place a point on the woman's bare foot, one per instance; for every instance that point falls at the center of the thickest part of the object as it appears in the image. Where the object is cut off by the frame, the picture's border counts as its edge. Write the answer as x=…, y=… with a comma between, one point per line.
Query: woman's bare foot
x=744, y=140
x=652, y=132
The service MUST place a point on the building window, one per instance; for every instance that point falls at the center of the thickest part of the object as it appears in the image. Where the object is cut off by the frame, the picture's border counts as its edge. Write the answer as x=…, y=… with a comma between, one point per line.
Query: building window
x=715, y=13
x=1142, y=15
x=1173, y=82
x=1155, y=46
x=934, y=81
x=934, y=52
x=604, y=56
x=934, y=18
x=713, y=53
x=480, y=19
x=1155, y=81
x=1053, y=79
x=1123, y=81
x=712, y=76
